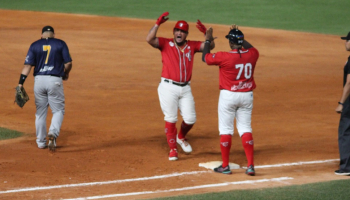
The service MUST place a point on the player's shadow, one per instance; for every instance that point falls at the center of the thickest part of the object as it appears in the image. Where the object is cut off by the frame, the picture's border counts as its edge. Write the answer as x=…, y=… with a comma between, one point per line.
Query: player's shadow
x=112, y=142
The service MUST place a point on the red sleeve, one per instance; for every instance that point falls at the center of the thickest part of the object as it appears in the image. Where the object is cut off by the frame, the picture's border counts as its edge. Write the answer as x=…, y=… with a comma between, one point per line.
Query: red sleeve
x=195, y=45
x=161, y=42
x=198, y=46
x=255, y=52
x=213, y=58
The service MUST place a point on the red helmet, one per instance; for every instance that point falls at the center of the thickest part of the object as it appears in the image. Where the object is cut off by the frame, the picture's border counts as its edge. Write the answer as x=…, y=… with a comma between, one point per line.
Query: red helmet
x=182, y=25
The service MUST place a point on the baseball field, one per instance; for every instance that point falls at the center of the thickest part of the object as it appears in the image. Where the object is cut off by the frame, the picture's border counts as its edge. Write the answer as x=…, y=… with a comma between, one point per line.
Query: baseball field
x=112, y=144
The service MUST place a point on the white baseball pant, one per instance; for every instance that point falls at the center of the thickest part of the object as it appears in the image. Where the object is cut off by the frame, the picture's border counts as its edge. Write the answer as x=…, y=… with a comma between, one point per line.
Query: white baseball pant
x=173, y=97
x=233, y=105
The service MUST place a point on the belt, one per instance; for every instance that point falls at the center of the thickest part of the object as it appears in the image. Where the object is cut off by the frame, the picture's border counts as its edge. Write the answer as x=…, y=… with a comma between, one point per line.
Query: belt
x=175, y=83
x=49, y=75
x=55, y=75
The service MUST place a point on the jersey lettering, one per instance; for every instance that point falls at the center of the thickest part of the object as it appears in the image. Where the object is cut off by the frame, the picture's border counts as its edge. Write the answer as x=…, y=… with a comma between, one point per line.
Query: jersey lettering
x=46, y=68
x=48, y=49
x=242, y=85
x=247, y=70
x=240, y=67
x=188, y=55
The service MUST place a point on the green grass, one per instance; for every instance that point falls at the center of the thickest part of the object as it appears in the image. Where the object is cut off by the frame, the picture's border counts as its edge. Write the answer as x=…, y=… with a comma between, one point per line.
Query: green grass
x=335, y=190
x=319, y=16
x=9, y=134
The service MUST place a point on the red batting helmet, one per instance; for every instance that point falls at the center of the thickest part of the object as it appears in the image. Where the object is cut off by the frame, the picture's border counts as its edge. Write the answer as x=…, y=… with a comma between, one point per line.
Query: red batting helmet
x=181, y=25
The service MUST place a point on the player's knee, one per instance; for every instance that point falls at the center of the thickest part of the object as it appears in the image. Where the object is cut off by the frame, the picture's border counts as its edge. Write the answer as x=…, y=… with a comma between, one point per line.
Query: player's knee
x=58, y=112
x=40, y=123
x=170, y=119
x=190, y=121
x=244, y=130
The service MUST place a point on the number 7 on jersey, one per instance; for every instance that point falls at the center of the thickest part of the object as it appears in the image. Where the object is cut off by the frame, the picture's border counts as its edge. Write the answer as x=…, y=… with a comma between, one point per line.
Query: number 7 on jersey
x=48, y=49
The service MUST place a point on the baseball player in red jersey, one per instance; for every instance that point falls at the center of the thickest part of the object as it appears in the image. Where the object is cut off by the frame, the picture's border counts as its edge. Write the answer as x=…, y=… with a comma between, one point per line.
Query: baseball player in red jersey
x=236, y=94
x=174, y=89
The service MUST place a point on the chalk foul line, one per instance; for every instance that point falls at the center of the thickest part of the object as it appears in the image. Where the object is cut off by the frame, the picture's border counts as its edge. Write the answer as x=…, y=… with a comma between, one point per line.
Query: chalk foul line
x=296, y=163
x=153, y=177
x=102, y=183
x=185, y=188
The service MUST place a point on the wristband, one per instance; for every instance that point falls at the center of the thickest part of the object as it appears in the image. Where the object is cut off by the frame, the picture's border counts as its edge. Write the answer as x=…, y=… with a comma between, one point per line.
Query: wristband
x=340, y=103
x=207, y=41
x=22, y=79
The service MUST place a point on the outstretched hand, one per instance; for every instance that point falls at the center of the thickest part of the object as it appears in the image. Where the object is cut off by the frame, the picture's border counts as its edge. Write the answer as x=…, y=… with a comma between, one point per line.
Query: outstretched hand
x=201, y=27
x=209, y=34
x=162, y=18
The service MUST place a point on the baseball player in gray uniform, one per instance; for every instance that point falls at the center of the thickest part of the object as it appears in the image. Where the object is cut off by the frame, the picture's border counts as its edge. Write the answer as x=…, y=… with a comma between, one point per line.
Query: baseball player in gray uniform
x=52, y=63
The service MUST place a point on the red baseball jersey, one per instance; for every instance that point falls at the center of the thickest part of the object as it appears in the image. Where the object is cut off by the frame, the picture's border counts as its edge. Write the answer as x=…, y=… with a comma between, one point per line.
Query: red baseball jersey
x=177, y=64
x=236, y=68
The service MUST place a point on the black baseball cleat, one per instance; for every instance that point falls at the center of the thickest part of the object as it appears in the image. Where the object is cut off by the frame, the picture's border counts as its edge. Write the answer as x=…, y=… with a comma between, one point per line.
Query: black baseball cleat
x=224, y=170
x=342, y=172
x=250, y=171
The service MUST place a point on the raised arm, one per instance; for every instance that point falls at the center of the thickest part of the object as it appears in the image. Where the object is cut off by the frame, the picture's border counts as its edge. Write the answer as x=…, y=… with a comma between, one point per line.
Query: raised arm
x=203, y=29
x=151, y=37
x=211, y=45
x=246, y=44
x=207, y=44
x=152, y=34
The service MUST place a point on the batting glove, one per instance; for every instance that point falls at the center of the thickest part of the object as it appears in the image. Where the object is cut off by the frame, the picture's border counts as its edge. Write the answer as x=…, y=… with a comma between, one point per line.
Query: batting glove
x=162, y=18
x=201, y=27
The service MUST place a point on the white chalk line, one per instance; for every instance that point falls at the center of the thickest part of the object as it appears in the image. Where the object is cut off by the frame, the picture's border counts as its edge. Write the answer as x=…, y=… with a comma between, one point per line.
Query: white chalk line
x=102, y=183
x=183, y=189
x=296, y=163
x=151, y=178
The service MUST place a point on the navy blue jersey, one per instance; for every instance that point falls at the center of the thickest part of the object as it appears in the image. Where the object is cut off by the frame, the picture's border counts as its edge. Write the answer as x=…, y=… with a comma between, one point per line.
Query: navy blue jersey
x=48, y=55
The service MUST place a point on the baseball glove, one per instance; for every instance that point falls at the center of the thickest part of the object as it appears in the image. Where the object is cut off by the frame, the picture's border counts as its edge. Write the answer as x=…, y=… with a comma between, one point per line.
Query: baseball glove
x=21, y=96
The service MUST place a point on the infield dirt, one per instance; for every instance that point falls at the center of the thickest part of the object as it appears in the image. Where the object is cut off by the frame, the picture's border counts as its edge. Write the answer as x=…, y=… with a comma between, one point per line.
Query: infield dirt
x=113, y=126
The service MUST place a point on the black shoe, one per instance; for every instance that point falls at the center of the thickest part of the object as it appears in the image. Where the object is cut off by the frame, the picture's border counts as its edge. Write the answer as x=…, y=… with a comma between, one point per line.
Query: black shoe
x=250, y=171
x=342, y=172
x=224, y=170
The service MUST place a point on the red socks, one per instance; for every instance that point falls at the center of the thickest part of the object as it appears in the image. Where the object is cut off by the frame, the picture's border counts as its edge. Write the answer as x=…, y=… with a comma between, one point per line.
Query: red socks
x=170, y=131
x=225, y=146
x=184, y=129
x=248, y=145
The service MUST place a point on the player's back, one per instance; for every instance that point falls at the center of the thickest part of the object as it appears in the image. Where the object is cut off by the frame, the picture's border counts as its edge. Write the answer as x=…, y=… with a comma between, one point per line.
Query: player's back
x=232, y=58
x=236, y=68
x=48, y=56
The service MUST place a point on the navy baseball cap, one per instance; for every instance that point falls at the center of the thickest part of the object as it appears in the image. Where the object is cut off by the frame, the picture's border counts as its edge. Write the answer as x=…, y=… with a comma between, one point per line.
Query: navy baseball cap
x=347, y=37
x=48, y=28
